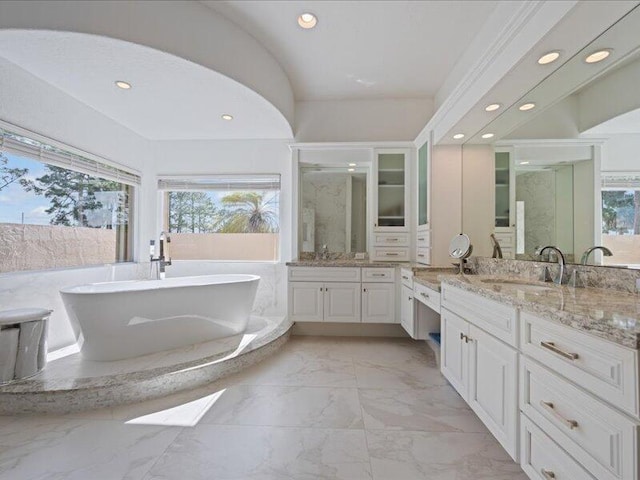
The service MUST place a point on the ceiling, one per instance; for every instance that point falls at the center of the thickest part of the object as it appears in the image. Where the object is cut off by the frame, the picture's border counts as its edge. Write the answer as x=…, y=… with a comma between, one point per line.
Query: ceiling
x=363, y=49
x=622, y=124
x=171, y=98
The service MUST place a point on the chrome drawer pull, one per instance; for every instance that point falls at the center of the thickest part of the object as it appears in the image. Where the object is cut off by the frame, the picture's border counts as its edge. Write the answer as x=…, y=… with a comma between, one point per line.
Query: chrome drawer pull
x=404, y=277
x=552, y=346
x=424, y=295
x=377, y=274
x=421, y=239
x=548, y=474
x=393, y=239
x=421, y=255
x=548, y=406
x=389, y=254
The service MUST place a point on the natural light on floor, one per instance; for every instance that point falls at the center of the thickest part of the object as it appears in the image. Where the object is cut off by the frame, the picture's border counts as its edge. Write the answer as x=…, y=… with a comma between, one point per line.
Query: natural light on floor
x=184, y=415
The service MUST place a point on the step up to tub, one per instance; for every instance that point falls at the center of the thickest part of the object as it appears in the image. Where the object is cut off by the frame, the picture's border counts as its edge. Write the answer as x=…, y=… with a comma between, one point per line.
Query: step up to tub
x=71, y=383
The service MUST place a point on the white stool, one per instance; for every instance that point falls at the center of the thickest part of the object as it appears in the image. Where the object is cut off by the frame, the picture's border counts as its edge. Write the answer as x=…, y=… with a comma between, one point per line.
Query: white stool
x=23, y=343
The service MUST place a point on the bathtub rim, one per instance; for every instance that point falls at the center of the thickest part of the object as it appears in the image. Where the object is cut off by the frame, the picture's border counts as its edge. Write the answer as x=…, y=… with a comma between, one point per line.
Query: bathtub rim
x=167, y=283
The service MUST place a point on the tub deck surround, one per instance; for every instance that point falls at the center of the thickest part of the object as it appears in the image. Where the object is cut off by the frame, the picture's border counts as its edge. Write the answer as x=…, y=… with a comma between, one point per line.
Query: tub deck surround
x=73, y=383
x=610, y=314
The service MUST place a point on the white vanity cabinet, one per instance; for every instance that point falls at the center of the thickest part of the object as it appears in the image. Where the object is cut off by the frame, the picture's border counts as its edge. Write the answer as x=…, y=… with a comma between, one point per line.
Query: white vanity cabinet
x=330, y=294
x=378, y=295
x=483, y=369
x=342, y=294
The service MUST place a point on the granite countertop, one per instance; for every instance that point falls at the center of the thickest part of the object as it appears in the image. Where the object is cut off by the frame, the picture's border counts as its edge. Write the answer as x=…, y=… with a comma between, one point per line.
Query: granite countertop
x=610, y=314
x=431, y=277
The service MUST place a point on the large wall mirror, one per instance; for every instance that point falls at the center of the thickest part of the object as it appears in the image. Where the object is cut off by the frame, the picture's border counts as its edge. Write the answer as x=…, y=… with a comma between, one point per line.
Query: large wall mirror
x=333, y=206
x=572, y=171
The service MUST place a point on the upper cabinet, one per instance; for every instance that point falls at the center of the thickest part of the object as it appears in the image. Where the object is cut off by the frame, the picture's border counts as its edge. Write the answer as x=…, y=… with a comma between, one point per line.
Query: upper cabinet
x=505, y=202
x=423, y=185
x=391, y=213
x=391, y=201
x=505, y=196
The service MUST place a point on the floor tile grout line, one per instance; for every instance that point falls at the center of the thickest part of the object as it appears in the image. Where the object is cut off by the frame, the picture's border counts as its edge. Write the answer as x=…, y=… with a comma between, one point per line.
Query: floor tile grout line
x=146, y=474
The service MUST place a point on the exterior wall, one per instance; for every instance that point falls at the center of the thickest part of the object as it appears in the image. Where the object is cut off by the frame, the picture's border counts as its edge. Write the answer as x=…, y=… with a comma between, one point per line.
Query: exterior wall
x=250, y=247
x=38, y=247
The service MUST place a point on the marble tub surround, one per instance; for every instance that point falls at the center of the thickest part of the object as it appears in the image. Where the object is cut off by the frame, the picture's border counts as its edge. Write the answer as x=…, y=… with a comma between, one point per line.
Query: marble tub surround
x=610, y=314
x=313, y=410
x=73, y=383
x=622, y=279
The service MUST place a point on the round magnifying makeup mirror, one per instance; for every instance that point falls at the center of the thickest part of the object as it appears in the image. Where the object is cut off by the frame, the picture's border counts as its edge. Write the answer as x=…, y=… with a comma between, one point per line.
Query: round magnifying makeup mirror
x=460, y=246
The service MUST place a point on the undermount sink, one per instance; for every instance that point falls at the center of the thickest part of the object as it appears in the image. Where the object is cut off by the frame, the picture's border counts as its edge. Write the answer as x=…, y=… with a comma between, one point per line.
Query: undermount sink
x=519, y=284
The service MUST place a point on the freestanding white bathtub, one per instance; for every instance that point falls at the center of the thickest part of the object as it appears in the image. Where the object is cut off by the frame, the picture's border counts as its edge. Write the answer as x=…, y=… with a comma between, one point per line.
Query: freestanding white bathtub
x=126, y=319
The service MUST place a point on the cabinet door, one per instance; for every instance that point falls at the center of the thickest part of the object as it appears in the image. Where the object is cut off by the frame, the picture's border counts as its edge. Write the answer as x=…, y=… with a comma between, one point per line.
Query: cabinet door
x=423, y=184
x=454, y=351
x=378, y=303
x=305, y=301
x=493, y=387
x=406, y=311
x=342, y=302
x=391, y=193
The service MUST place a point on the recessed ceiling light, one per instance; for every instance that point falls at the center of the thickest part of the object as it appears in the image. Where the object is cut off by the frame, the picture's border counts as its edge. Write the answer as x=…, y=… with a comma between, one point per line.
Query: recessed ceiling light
x=352, y=164
x=598, y=56
x=123, y=85
x=524, y=163
x=492, y=107
x=526, y=106
x=487, y=135
x=548, y=58
x=307, y=20
x=351, y=169
x=227, y=117
x=458, y=136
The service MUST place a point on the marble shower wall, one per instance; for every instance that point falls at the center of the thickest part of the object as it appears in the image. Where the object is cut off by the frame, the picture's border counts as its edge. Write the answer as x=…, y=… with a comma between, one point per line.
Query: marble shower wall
x=326, y=194
x=537, y=191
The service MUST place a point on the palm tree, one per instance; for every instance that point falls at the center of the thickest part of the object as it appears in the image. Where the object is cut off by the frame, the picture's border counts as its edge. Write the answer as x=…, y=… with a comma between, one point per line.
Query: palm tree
x=249, y=212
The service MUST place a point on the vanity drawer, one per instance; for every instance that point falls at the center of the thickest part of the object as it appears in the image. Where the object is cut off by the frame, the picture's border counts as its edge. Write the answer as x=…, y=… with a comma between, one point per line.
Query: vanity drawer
x=426, y=295
x=406, y=276
x=495, y=318
x=423, y=255
x=391, y=239
x=324, y=274
x=385, y=275
x=603, y=368
x=423, y=239
x=542, y=459
x=391, y=254
x=599, y=437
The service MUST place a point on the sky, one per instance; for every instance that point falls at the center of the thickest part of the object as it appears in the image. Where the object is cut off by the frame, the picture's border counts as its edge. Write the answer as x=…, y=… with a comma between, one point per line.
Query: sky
x=14, y=201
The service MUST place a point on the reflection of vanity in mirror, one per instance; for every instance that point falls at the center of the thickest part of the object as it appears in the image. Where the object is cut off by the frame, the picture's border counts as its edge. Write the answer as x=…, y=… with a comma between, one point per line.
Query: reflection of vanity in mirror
x=565, y=172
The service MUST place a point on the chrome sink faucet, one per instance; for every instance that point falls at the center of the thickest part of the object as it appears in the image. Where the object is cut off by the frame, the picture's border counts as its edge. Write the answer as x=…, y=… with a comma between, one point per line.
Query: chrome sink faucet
x=325, y=252
x=161, y=259
x=585, y=256
x=559, y=280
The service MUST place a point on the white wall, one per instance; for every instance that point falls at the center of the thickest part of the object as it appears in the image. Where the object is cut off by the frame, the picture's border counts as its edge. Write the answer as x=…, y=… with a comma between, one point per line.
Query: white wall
x=446, y=200
x=621, y=153
x=478, y=197
x=361, y=120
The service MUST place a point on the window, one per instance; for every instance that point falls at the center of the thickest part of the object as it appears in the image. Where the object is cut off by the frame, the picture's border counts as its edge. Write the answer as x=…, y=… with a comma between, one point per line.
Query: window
x=58, y=209
x=621, y=218
x=223, y=217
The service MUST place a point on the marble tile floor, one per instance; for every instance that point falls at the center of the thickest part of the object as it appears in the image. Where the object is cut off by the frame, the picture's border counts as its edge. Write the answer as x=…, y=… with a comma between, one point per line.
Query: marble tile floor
x=320, y=408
